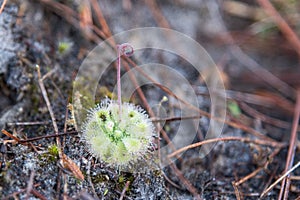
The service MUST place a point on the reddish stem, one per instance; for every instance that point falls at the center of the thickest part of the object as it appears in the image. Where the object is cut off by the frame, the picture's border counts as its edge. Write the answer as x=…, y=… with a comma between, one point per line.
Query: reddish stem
x=126, y=50
x=119, y=81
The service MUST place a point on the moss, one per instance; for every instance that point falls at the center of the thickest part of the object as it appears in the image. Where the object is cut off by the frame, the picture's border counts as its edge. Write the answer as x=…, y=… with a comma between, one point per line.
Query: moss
x=99, y=178
x=64, y=47
x=104, y=92
x=50, y=156
x=2, y=177
x=123, y=179
x=3, y=174
x=53, y=150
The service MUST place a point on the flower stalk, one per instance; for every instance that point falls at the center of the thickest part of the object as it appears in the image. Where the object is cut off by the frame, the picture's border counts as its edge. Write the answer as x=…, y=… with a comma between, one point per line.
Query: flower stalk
x=127, y=50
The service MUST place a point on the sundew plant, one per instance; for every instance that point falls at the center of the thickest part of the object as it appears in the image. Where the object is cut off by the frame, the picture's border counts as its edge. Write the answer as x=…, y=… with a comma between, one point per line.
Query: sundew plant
x=118, y=133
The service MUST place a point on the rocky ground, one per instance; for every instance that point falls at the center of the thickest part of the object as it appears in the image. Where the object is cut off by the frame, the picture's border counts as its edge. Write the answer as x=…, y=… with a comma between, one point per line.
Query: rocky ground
x=58, y=35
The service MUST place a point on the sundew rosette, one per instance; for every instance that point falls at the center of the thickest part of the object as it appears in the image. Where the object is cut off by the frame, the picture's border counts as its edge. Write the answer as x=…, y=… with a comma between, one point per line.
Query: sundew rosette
x=118, y=139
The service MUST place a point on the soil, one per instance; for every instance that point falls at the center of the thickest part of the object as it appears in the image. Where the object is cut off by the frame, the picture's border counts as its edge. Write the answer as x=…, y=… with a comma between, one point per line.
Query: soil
x=32, y=33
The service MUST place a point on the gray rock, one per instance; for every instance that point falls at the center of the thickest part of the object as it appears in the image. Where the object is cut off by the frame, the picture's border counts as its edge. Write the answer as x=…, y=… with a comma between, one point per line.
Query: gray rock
x=10, y=114
x=8, y=46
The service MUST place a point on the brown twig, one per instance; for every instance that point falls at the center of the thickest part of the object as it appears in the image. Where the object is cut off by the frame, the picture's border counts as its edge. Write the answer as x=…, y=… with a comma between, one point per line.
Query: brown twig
x=29, y=185
x=236, y=191
x=269, y=101
x=45, y=96
x=38, y=195
x=169, y=119
x=278, y=180
x=288, y=32
x=139, y=90
x=71, y=17
x=17, y=140
x=285, y=186
x=254, y=113
x=85, y=17
x=66, y=121
x=185, y=182
x=265, y=101
x=124, y=190
x=262, y=73
x=69, y=14
x=49, y=73
x=26, y=123
x=169, y=142
x=252, y=174
x=99, y=32
x=47, y=136
x=247, y=140
x=157, y=14
x=243, y=10
x=101, y=19
x=89, y=179
x=249, y=176
x=252, y=65
x=2, y=6
x=254, y=194
x=170, y=181
x=271, y=177
x=10, y=135
x=65, y=187
x=296, y=178
x=18, y=192
x=58, y=183
x=249, y=130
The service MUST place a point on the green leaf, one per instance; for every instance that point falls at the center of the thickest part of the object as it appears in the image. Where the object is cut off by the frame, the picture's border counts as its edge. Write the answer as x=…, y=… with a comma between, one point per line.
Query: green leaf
x=234, y=109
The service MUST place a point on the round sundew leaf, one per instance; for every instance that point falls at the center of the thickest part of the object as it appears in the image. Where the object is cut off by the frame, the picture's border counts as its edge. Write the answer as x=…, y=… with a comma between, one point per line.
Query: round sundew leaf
x=103, y=115
x=132, y=144
x=141, y=130
x=100, y=146
x=120, y=154
x=123, y=124
x=92, y=129
x=132, y=114
x=114, y=109
x=108, y=154
x=142, y=127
